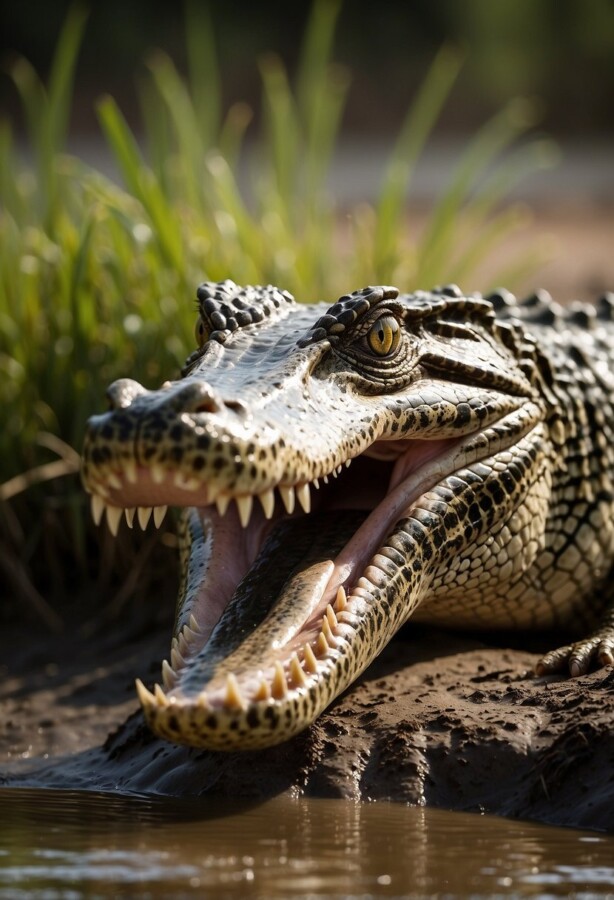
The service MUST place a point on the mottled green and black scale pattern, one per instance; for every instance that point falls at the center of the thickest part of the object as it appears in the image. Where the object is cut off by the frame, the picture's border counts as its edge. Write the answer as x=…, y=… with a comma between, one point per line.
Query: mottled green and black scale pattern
x=515, y=531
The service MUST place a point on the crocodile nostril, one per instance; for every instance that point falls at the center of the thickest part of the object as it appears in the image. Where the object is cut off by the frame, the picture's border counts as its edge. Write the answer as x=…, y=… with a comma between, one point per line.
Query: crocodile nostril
x=236, y=406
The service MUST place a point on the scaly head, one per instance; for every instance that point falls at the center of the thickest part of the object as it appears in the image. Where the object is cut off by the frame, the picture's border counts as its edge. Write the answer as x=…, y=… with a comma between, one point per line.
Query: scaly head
x=297, y=567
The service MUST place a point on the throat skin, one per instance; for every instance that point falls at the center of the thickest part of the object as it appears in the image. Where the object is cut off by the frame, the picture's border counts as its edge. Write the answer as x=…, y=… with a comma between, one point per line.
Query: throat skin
x=342, y=469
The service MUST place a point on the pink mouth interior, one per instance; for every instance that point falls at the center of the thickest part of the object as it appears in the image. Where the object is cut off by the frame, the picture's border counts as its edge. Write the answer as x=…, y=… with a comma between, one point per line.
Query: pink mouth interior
x=386, y=483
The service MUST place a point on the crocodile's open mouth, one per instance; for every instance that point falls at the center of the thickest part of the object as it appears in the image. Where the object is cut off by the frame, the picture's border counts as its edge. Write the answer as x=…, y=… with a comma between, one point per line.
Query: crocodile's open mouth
x=275, y=595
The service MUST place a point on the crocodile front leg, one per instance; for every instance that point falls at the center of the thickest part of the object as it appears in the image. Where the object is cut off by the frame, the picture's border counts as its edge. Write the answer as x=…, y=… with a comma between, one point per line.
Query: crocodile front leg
x=595, y=650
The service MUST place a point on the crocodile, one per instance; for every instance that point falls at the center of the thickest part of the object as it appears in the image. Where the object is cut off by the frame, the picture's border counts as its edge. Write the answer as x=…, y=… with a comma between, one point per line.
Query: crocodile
x=480, y=495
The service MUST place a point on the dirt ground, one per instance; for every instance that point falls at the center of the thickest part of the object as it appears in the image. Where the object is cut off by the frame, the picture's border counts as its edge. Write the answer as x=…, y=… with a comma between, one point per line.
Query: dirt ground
x=439, y=720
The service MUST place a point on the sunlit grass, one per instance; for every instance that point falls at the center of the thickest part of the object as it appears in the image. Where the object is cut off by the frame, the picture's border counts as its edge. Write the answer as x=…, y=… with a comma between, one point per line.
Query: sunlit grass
x=97, y=278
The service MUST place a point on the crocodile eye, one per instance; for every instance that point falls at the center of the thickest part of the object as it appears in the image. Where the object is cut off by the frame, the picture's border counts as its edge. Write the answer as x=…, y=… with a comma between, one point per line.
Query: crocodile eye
x=384, y=335
x=201, y=332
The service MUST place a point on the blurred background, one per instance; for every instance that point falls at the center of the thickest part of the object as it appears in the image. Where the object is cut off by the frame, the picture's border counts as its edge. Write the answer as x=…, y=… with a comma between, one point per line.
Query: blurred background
x=146, y=146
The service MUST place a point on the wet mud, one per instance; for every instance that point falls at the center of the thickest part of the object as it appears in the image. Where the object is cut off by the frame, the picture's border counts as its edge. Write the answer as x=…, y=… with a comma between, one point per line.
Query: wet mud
x=439, y=720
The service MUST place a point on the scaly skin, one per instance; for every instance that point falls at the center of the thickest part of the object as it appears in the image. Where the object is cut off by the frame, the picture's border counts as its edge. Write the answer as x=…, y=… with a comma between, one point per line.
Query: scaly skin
x=480, y=495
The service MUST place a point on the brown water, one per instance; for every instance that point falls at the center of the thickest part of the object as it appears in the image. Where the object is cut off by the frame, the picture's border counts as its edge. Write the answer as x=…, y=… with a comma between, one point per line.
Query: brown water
x=72, y=845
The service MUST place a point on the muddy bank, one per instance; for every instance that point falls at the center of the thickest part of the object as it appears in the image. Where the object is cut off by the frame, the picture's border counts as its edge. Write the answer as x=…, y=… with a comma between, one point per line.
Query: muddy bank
x=439, y=720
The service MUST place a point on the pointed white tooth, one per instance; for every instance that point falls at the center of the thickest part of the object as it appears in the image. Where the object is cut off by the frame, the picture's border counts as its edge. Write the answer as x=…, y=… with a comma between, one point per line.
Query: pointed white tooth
x=114, y=514
x=185, y=482
x=298, y=676
x=203, y=700
x=145, y=696
x=168, y=675
x=267, y=500
x=287, y=496
x=263, y=692
x=130, y=471
x=177, y=660
x=322, y=645
x=325, y=479
x=222, y=503
x=184, y=647
x=341, y=600
x=161, y=696
x=98, y=506
x=114, y=481
x=174, y=643
x=212, y=491
x=129, y=513
x=166, y=385
x=144, y=515
x=194, y=624
x=348, y=463
x=316, y=484
x=304, y=497
x=234, y=698
x=190, y=635
x=330, y=615
x=279, y=687
x=157, y=473
x=311, y=663
x=244, y=505
x=327, y=633
x=158, y=515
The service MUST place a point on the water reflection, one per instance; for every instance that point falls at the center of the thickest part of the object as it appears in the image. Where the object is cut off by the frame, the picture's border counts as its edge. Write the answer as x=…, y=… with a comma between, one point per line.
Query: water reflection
x=60, y=844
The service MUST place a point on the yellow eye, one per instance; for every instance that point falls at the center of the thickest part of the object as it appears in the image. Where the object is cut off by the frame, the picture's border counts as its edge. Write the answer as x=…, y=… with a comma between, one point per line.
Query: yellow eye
x=384, y=336
x=201, y=332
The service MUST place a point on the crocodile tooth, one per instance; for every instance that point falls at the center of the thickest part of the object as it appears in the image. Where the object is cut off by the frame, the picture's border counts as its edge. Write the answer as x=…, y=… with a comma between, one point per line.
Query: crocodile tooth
x=190, y=635
x=194, y=624
x=168, y=675
x=158, y=515
x=222, y=503
x=129, y=513
x=330, y=615
x=322, y=645
x=311, y=662
x=244, y=504
x=298, y=676
x=316, y=484
x=114, y=514
x=348, y=463
x=279, y=687
x=144, y=515
x=98, y=506
x=184, y=647
x=161, y=696
x=177, y=659
x=304, y=497
x=145, y=696
x=166, y=385
x=130, y=471
x=203, y=700
x=114, y=481
x=287, y=496
x=263, y=692
x=325, y=479
x=174, y=644
x=267, y=500
x=157, y=473
x=341, y=600
x=212, y=491
x=234, y=698
x=185, y=483
x=330, y=638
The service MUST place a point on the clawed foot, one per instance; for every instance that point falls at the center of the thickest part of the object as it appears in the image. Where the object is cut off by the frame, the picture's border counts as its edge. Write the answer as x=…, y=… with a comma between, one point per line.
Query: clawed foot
x=592, y=652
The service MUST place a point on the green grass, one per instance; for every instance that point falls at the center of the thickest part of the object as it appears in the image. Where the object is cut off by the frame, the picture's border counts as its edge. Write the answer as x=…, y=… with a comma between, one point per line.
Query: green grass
x=97, y=279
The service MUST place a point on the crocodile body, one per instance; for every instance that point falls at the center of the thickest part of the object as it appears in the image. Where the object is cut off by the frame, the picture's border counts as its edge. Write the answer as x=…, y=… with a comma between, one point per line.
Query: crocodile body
x=480, y=432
